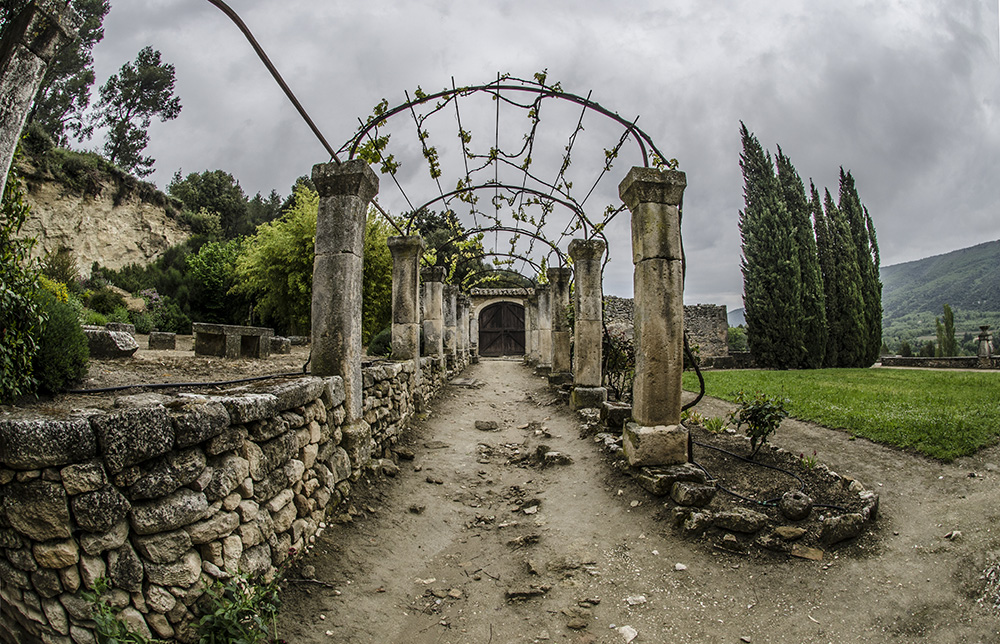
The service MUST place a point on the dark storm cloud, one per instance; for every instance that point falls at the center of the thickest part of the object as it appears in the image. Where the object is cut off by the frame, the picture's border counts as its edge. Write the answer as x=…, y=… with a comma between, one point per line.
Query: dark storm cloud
x=903, y=94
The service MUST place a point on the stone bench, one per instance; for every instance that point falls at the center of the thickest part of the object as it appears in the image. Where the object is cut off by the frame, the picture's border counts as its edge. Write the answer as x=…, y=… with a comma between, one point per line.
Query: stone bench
x=162, y=341
x=231, y=341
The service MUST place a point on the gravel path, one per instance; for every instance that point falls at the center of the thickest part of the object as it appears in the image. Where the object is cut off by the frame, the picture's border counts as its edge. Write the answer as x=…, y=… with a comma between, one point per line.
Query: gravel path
x=466, y=544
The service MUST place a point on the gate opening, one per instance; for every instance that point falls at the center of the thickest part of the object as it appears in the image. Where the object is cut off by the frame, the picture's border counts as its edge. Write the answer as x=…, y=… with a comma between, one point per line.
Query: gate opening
x=501, y=330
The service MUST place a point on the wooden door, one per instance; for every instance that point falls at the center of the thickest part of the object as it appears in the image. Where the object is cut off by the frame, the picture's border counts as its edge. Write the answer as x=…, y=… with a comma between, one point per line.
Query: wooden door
x=501, y=330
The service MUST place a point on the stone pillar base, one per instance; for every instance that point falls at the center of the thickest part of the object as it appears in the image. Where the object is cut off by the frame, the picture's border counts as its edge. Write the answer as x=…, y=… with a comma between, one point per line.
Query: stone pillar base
x=659, y=445
x=587, y=398
x=559, y=378
x=543, y=370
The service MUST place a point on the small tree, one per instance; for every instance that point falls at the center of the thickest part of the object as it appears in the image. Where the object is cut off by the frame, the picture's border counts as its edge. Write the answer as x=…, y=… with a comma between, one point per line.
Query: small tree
x=947, y=344
x=761, y=414
x=129, y=100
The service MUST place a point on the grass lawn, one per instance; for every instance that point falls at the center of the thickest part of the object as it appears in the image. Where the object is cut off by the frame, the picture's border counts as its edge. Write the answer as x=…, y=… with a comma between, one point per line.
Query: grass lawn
x=943, y=414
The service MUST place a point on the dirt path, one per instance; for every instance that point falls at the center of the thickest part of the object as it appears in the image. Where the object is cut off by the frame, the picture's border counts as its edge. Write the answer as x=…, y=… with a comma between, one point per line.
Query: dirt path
x=465, y=546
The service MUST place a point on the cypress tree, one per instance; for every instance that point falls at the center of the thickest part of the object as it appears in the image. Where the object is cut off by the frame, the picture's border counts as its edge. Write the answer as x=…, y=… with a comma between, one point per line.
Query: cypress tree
x=770, y=263
x=812, y=300
x=869, y=286
x=828, y=268
x=846, y=320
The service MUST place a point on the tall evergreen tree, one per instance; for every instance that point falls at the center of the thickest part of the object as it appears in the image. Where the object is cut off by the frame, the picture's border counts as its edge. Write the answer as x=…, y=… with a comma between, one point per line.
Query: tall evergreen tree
x=947, y=343
x=862, y=232
x=826, y=254
x=847, y=320
x=770, y=264
x=812, y=300
x=129, y=100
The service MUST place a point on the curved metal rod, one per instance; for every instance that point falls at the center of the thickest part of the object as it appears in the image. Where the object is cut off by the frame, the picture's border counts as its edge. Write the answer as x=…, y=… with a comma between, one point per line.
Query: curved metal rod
x=523, y=258
x=508, y=229
x=486, y=273
x=642, y=139
x=491, y=185
x=222, y=6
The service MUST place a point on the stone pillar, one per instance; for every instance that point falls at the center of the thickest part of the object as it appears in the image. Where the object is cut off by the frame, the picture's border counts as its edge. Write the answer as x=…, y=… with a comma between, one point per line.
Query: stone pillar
x=450, y=301
x=985, y=347
x=29, y=44
x=433, y=278
x=473, y=336
x=544, y=331
x=531, y=330
x=656, y=437
x=345, y=191
x=562, y=368
x=406, y=253
x=588, y=304
x=463, y=329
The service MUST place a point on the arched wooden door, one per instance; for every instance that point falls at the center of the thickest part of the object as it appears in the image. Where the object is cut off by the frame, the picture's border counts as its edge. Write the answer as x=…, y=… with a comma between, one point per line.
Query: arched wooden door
x=501, y=330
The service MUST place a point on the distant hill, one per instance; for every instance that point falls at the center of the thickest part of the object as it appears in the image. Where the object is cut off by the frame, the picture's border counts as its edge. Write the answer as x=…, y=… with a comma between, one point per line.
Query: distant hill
x=966, y=279
x=737, y=318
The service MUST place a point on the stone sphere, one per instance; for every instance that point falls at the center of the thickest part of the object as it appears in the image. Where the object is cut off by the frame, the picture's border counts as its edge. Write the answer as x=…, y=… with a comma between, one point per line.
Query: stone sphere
x=795, y=505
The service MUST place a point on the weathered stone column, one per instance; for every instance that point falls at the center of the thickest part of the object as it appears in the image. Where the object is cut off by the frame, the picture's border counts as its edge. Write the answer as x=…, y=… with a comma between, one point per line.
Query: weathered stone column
x=28, y=46
x=406, y=253
x=531, y=330
x=345, y=191
x=450, y=301
x=473, y=335
x=562, y=368
x=463, y=329
x=588, y=304
x=654, y=197
x=544, y=331
x=433, y=278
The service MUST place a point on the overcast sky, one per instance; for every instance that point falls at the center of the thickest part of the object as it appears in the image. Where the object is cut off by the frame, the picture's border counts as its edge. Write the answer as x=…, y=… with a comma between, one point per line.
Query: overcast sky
x=903, y=93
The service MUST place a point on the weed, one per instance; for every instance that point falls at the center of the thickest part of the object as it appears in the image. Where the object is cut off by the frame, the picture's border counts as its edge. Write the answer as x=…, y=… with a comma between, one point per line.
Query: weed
x=714, y=424
x=808, y=462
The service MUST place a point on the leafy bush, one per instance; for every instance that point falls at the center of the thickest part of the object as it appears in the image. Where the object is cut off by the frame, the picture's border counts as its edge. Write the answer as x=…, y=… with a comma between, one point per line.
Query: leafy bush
x=761, y=414
x=93, y=318
x=62, y=346
x=20, y=318
x=61, y=266
x=244, y=610
x=108, y=628
x=120, y=314
x=55, y=287
x=381, y=344
x=105, y=301
x=143, y=321
x=171, y=318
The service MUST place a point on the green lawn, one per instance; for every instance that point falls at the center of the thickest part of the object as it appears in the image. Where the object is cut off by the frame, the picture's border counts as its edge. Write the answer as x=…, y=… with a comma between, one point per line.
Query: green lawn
x=943, y=414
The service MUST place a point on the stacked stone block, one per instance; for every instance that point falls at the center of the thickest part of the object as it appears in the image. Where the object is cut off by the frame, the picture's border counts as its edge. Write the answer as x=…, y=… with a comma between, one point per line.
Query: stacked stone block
x=161, y=496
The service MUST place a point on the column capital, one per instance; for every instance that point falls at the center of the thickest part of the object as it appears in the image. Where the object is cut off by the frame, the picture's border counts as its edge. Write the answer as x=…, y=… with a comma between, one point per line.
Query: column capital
x=350, y=178
x=405, y=246
x=649, y=185
x=433, y=273
x=559, y=274
x=586, y=249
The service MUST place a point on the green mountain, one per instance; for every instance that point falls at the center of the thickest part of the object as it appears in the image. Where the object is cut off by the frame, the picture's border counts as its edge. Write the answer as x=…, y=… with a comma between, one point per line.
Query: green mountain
x=914, y=293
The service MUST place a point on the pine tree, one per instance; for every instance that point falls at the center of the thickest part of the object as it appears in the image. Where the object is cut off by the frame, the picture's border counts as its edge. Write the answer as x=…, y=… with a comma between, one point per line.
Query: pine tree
x=812, y=302
x=770, y=265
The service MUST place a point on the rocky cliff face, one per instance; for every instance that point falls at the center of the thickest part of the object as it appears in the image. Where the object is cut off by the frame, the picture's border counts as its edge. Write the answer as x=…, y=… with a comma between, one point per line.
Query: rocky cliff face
x=96, y=228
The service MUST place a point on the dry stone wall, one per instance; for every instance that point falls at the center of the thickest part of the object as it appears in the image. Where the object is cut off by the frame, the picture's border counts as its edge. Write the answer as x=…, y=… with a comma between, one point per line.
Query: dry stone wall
x=165, y=493
x=707, y=325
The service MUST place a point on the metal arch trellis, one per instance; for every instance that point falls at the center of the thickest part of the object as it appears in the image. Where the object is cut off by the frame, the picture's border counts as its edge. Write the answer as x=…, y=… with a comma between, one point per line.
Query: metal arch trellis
x=371, y=144
x=368, y=144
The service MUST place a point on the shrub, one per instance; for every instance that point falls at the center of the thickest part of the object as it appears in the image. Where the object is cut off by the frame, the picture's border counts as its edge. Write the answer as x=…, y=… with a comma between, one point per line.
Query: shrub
x=20, y=318
x=61, y=266
x=144, y=322
x=63, y=351
x=170, y=318
x=105, y=301
x=55, y=287
x=381, y=344
x=108, y=628
x=761, y=414
x=93, y=318
x=120, y=314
